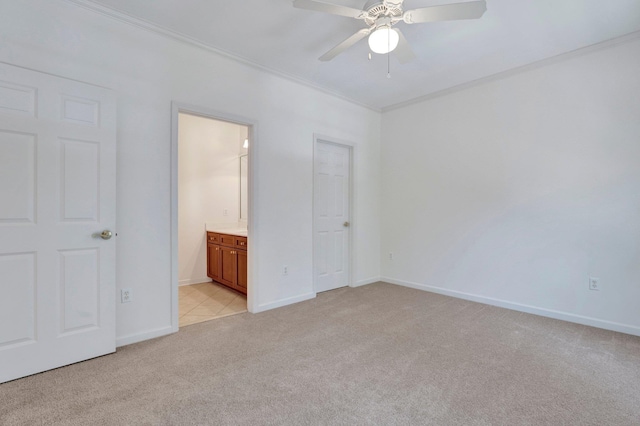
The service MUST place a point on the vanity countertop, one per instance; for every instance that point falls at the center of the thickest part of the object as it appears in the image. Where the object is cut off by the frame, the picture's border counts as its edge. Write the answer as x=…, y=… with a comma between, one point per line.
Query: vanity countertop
x=240, y=232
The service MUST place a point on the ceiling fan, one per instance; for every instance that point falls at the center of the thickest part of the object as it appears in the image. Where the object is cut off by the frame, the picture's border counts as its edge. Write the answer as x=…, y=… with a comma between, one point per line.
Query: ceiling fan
x=381, y=15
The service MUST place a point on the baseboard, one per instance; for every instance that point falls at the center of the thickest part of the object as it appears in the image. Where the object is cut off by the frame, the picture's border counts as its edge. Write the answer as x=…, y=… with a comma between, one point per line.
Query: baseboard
x=194, y=281
x=549, y=313
x=365, y=282
x=285, y=302
x=139, y=337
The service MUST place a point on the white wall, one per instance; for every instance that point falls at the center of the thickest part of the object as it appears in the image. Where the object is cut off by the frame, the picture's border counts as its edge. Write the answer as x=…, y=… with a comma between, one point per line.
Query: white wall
x=149, y=71
x=515, y=191
x=208, y=185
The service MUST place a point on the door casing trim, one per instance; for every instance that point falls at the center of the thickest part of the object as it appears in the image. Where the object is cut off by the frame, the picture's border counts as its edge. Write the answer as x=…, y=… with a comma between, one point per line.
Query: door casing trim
x=252, y=222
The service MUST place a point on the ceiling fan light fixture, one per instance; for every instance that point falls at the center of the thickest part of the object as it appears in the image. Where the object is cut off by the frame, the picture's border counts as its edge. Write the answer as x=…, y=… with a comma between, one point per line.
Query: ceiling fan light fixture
x=383, y=40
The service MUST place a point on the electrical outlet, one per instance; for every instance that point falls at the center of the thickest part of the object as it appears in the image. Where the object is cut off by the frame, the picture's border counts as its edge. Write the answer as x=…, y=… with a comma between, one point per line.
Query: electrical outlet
x=126, y=295
x=390, y=256
x=285, y=270
x=594, y=283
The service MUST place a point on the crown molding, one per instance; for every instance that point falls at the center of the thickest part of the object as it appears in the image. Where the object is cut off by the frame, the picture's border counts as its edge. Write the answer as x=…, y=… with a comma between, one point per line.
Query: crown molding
x=183, y=38
x=518, y=70
x=175, y=35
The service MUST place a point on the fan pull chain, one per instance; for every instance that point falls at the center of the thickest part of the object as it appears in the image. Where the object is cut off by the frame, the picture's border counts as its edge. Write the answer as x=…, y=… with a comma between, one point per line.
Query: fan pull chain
x=388, y=56
x=388, y=66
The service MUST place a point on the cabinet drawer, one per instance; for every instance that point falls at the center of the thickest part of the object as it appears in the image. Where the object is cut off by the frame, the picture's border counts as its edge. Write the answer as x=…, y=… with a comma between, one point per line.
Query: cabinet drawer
x=241, y=243
x=213, y=237
x=227, y=240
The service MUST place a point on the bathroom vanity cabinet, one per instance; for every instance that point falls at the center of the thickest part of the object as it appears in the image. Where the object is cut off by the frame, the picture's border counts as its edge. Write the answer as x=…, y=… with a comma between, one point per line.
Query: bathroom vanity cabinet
x=227, y=260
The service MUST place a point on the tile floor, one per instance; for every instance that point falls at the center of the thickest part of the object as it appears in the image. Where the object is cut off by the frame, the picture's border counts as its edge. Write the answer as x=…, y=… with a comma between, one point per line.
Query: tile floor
x=207, y=301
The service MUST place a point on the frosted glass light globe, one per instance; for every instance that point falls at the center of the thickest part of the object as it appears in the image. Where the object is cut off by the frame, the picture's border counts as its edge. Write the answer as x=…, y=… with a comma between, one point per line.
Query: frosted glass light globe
x=383, y=40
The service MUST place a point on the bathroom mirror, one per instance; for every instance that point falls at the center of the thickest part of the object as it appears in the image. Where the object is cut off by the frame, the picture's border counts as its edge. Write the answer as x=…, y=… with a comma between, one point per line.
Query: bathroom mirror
x=244, y=187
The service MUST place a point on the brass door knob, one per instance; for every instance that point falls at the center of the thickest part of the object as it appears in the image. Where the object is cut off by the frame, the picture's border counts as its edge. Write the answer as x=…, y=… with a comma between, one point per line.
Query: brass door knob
x=106, y=234
x=346, y=224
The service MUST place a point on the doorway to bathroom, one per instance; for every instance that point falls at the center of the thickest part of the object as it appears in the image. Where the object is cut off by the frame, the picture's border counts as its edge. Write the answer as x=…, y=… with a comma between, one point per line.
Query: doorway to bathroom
x=211, y=199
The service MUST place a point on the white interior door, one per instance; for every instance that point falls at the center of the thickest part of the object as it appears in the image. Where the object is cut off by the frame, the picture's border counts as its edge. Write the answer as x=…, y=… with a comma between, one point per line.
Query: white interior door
x=57, y=194
x=332, y=175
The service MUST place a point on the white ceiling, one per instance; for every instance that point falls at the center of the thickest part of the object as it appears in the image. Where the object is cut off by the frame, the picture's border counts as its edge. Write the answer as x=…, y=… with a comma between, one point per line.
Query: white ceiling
x=272, y=34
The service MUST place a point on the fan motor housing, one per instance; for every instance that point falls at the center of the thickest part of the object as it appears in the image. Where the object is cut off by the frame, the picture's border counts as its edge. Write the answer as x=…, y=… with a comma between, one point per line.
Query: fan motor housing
x=376, y=9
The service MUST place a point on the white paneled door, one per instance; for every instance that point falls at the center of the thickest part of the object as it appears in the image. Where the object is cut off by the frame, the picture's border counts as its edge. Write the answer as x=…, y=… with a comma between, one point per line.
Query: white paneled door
x=57, y=196
x=331, y=255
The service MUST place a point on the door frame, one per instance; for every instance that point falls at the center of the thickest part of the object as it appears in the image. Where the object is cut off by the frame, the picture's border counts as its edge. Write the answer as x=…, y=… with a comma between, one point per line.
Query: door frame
x=252, y=201
x=353, y=150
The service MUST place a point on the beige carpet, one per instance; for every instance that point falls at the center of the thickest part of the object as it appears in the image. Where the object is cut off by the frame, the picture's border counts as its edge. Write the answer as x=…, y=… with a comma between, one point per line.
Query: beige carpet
x=378, y=354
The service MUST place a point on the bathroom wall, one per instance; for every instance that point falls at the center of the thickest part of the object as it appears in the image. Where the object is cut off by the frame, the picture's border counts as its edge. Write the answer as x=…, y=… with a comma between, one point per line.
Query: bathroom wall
x=208, y=187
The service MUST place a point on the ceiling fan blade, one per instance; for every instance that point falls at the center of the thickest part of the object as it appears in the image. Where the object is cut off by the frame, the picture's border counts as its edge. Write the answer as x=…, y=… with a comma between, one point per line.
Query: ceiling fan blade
x=403, y=52
x=334, y=9
x=446, y=12
x=345, y=44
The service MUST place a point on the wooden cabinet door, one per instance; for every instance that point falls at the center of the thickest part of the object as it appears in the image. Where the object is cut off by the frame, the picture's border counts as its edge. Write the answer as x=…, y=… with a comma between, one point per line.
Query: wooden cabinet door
x=228, y=266
x=213, y=264
x=242, y=271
